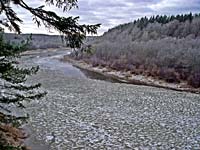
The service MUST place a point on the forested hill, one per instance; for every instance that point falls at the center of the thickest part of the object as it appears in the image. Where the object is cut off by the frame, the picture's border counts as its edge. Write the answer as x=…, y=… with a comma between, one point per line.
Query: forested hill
x=157, y=27
x=165, y=47
x=41, y=41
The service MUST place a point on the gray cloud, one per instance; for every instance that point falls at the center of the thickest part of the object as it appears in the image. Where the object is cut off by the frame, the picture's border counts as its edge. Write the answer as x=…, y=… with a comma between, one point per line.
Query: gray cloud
x=113, y=12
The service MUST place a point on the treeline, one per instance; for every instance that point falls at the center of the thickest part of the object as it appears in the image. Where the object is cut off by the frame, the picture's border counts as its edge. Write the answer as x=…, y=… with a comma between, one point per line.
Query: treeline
x=144, y=21
x=166, y=47
x=37, y=41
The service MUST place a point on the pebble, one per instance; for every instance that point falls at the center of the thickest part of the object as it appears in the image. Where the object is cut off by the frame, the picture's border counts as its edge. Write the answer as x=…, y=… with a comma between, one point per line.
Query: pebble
x=91, y=114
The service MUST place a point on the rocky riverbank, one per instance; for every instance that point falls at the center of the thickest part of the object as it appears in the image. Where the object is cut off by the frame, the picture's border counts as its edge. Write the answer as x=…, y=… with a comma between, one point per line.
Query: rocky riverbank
x=91, y=114
x=82, y=113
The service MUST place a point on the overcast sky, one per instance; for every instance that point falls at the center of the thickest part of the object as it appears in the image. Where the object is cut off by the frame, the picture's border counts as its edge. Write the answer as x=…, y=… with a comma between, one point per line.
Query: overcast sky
x=111, y=12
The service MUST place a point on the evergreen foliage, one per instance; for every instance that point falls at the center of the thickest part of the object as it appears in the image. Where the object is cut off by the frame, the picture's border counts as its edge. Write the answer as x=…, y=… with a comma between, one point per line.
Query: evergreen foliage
x=161, y=19
x=13, y=88
x=69, y=28
x=14, y=91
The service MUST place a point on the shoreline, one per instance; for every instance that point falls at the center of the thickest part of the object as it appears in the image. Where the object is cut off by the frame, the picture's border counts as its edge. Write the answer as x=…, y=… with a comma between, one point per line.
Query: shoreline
x=128, y=78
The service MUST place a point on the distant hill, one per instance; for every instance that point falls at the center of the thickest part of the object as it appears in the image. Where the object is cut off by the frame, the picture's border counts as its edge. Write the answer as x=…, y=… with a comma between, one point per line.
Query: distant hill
x=165, y=47
x=38, y=40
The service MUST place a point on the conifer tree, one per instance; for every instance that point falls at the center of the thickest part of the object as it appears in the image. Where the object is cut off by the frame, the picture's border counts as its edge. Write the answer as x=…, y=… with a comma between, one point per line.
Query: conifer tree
x=68, y=27
x=13, y=89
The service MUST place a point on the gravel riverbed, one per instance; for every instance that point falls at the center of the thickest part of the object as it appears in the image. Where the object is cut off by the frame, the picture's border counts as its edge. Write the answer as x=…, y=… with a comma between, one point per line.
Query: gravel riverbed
x=81, y=113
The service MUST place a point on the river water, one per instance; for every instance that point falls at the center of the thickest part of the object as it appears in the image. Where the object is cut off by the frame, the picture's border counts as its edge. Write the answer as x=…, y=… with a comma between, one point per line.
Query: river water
x=83, y=113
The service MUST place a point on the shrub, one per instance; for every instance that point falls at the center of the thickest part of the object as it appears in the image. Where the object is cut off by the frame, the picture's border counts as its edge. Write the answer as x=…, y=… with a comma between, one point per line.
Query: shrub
x=194, y=80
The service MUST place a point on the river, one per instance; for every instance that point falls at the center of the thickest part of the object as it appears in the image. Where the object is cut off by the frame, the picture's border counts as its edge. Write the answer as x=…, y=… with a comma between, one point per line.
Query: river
x=83, y=113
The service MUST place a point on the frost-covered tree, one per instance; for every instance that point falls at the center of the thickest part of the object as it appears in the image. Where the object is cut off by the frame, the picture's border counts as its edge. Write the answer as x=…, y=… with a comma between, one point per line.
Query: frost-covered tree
x=166, y=47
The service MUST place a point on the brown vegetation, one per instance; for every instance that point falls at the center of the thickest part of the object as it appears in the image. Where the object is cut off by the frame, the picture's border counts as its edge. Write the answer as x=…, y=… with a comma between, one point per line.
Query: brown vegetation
x=12, y=136
x=169, y=51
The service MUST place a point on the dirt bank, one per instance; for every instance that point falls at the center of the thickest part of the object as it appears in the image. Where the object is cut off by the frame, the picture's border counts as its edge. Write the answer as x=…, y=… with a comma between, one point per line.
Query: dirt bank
x=127, y=77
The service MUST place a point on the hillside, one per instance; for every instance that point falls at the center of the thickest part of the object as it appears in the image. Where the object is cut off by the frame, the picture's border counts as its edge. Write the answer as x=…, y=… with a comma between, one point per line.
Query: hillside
x=40, y=41
x=163, y=47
